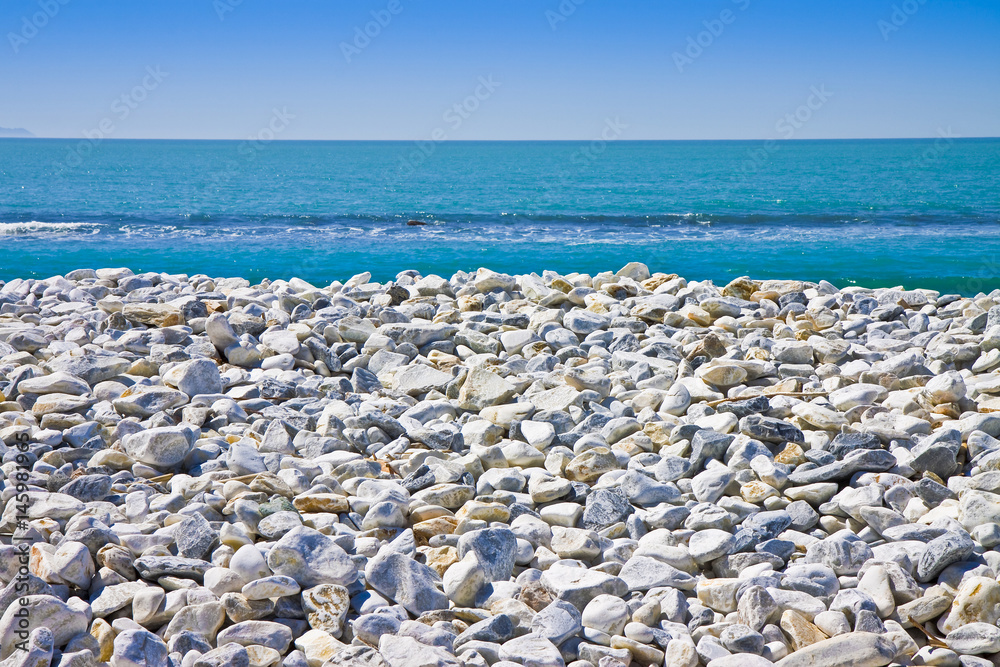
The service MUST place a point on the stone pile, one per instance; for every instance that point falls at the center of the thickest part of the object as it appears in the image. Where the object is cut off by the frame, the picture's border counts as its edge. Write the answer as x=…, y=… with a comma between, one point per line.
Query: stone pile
x=540, y=470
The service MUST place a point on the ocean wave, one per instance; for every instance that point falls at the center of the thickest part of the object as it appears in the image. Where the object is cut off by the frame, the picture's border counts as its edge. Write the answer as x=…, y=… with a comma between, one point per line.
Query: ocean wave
x=37, y=227
x=680, y=224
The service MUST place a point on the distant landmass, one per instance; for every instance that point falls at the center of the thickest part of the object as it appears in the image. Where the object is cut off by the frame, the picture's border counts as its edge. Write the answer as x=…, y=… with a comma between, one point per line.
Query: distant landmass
x=14, y=132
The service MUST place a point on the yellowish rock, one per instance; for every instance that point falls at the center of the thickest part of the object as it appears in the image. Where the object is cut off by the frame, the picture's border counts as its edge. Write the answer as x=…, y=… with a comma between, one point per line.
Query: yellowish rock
x=591, y=464
x=427, y=512
x=800, y=631
x=154, y=314
x=757, y=492
x=41, y=565
x=318, y=646
x=262, y=656
x=326, y=607
x=475, y=509
x=321, y=502
x=102, y=631
x=658, y=432
x=439, y=559
x=819, y=417
x=722, y=375
x=718, y=594
x=741, y=288
x=442, y=525
x=641, y=653
x=696, y=314
x=792, y=455
x=977, y=601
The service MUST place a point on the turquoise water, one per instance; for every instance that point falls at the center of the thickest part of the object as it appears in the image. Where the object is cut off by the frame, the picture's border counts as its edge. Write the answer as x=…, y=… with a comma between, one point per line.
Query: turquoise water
x=918, y=213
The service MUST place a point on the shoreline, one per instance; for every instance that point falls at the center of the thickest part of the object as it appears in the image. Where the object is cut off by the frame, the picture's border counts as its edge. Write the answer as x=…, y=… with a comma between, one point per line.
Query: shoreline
x=491, y=469
x=965, y=264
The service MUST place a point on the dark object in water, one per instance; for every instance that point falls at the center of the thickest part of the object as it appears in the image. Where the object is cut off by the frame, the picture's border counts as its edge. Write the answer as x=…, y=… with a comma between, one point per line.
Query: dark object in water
x=415, y=223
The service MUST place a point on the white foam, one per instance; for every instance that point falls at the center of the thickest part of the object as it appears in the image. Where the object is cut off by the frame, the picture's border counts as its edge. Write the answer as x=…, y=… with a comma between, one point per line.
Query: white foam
x=36, y=227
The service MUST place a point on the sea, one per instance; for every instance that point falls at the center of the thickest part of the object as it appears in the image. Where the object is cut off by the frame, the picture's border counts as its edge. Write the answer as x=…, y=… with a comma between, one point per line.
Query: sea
x=876, y=213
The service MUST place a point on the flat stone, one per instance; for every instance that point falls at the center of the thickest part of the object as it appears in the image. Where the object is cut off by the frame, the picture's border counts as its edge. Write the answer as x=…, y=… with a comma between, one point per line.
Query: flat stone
x=707, y=545
x=153, y=314
x=318, y=647
x=642, y=573
x=154, y=567
x=709, y=486
x=857, y=649
x=579, y=586
x=644, y=491
x=800, y=630
x=977, y=507
x=54, y=383
x=144, y=401
x=740, y=638
x=88, y=488
x=231, y=654
x=411, y=584
x=769, y=429
x=275, y=586
x=419, y=379
x=844, y=556
x=311, y=559
x=408, y=652
x=557, y=622
x=532, y=650
x=198, y=376
x=583, y=322
x=139, y=648
x=496, y=629
x=204, y=619
x=60, y=404
x=162, y=447
x=91, y=368
x=265, y=633
x=115, y=597
x=942, y=552
x=974, y=639
x=591, y=464
x=483, y=388
x=866, y=460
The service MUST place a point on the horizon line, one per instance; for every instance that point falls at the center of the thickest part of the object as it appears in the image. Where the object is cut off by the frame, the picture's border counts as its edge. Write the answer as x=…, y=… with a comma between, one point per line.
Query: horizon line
x=466, y=141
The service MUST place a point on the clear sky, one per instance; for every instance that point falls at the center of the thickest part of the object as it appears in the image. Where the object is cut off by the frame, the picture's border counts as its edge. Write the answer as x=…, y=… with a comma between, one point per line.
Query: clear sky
x=517, y=69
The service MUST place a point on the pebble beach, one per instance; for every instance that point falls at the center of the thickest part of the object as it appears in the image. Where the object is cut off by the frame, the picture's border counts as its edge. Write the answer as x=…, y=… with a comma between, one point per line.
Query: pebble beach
x=585, y=470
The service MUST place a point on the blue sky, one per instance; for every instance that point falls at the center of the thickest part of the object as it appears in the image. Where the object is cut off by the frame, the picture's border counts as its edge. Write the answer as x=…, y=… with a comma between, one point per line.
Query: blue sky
x=545, y=69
